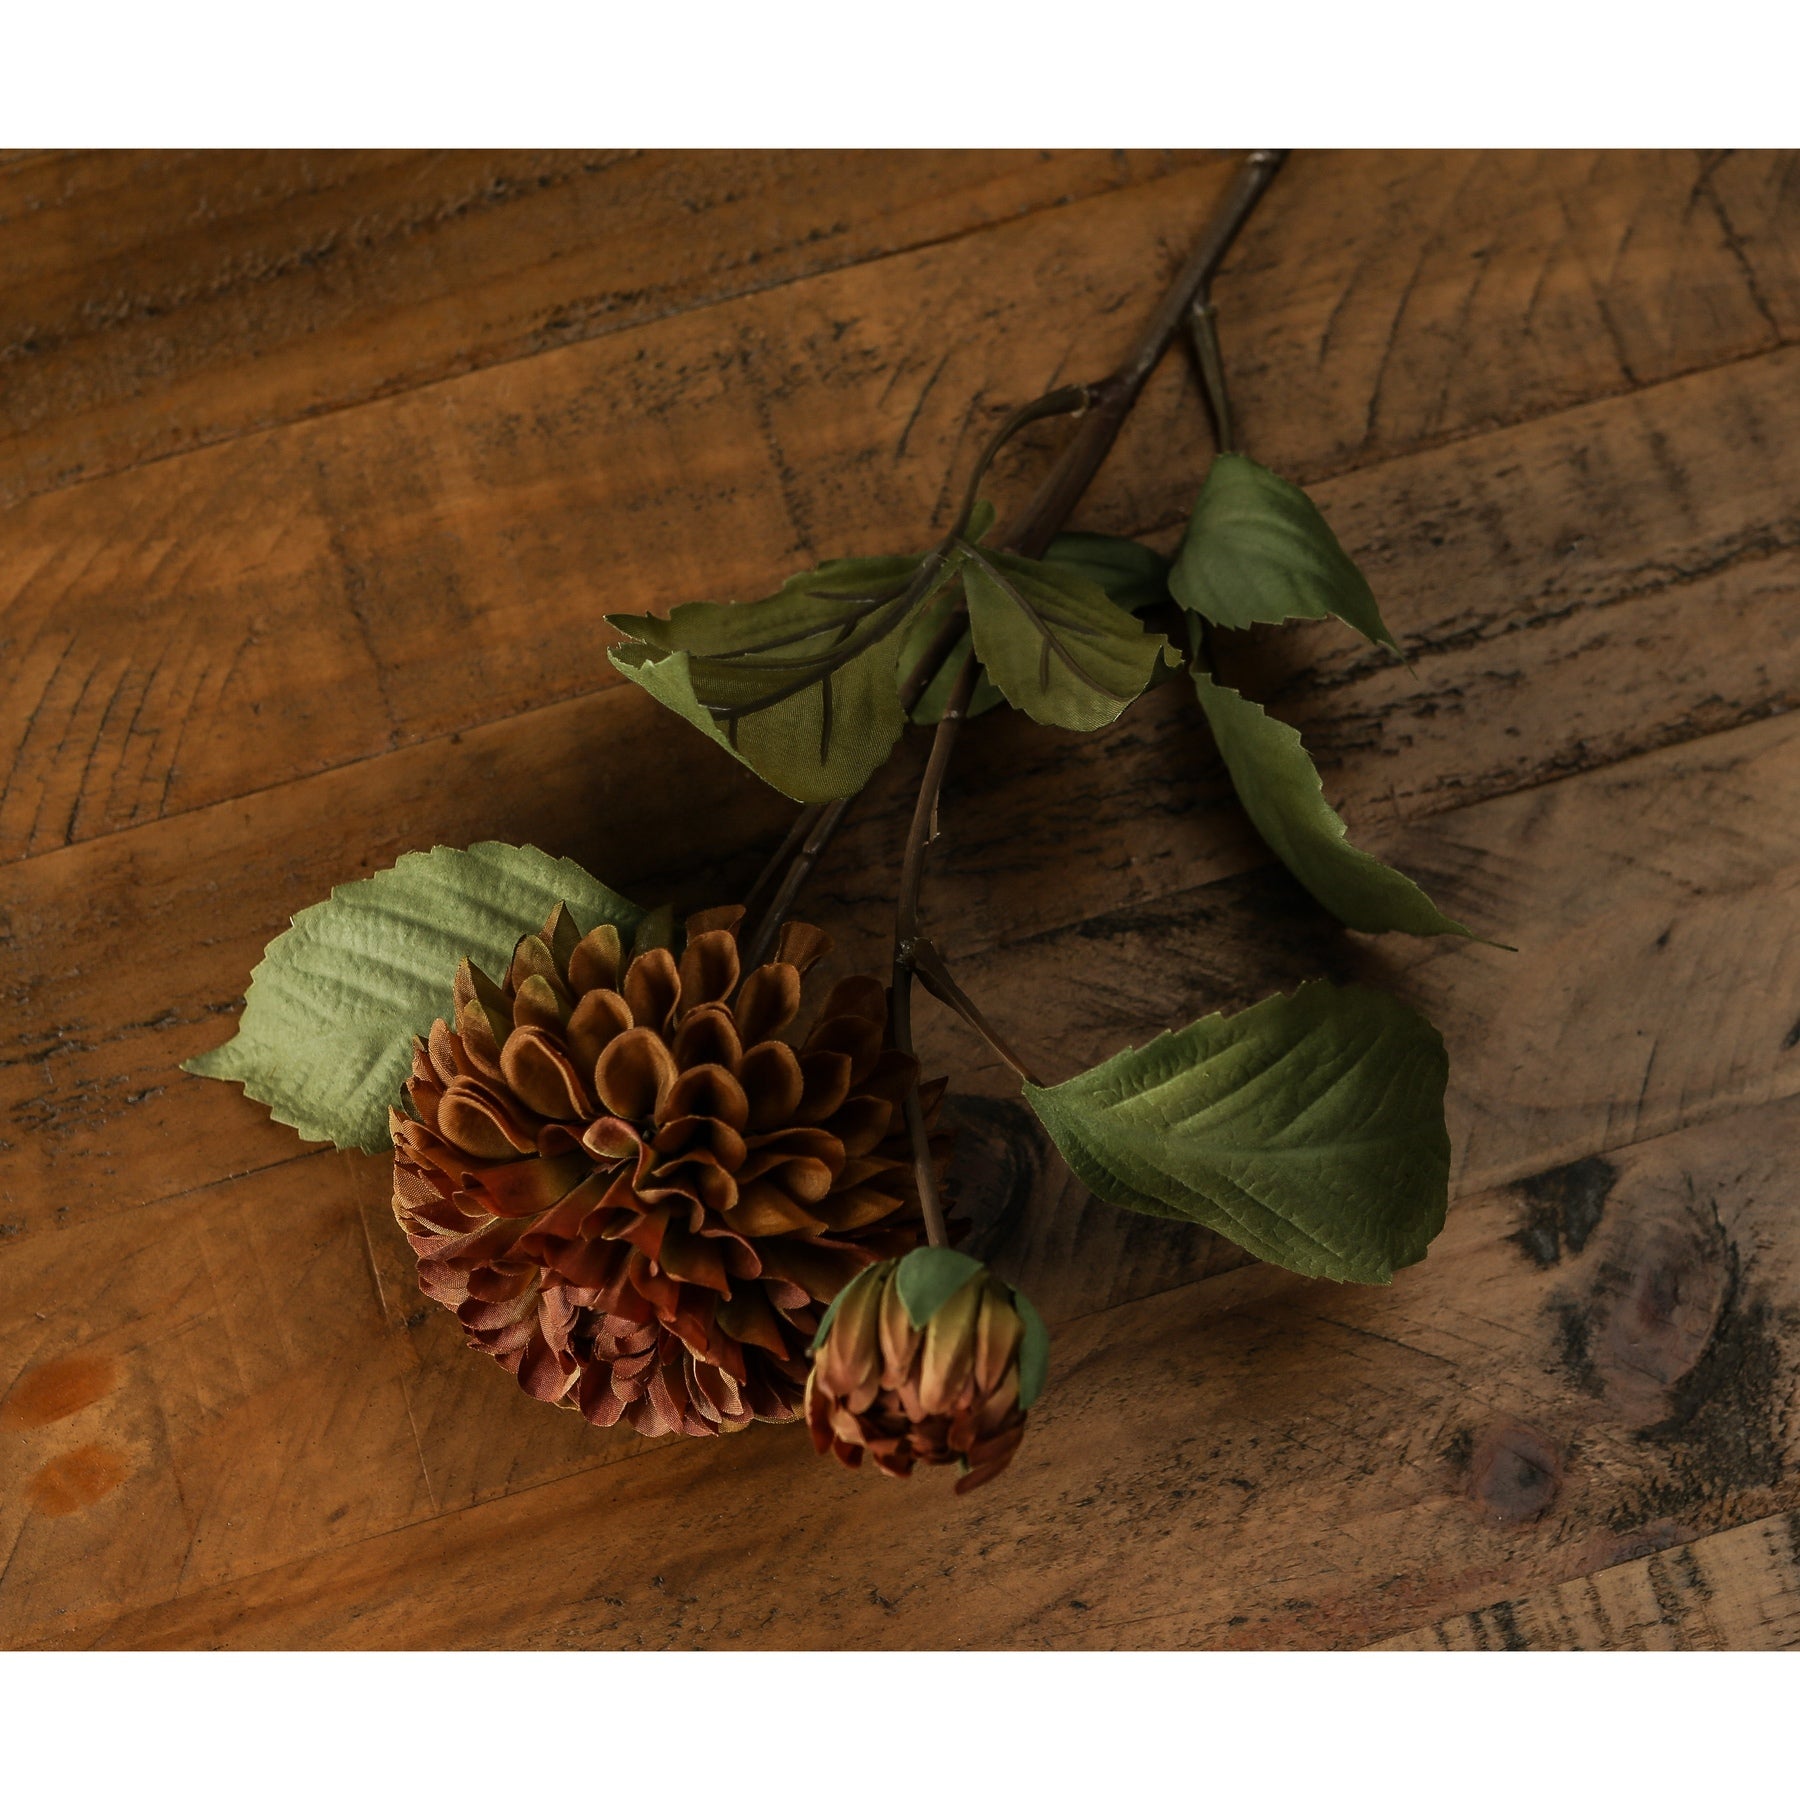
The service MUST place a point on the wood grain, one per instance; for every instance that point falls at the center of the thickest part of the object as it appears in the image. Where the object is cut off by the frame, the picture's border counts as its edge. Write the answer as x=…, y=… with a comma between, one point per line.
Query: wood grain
x=1736, y=1590
x=1675, y=617
x=442, y=558
x=1544, y=400
x=155, y=301
x=1252, y=1461
x=1652, y=989
x=266, y=1379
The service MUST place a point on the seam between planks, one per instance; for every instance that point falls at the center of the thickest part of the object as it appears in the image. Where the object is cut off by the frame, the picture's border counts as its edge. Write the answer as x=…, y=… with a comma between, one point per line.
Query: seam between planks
x=1648, y=1553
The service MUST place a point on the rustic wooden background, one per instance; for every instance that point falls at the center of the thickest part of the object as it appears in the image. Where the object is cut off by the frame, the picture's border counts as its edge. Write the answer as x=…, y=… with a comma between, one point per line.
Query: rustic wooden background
x=316, y=474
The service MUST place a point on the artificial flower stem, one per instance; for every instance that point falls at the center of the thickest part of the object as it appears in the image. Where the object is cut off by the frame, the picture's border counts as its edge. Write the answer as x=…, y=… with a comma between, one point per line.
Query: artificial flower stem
x=906, y=925
x=1104, y=408
x=934, y=976
x=1093, y=438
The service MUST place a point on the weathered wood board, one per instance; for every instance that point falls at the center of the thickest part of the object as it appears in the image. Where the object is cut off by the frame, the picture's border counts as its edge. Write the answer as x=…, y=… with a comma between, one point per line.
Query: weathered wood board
x=304, y=569
x=1587, y=1369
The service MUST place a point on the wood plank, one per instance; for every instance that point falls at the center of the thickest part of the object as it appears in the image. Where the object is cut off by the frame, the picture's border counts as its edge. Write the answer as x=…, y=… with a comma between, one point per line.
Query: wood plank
x=1653, y=987
x=233, y=1380
x=1571, y=592
x=1655, y=887
x=154, y=301
x=440, y=559
x=1674, y=620
x=1736, y=1590
x=246, y=1375
x=1584, y=1371
x=1652, y=990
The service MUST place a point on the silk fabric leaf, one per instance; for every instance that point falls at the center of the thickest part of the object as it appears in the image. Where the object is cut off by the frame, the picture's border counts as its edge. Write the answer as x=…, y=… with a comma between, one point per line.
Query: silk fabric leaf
x=1308, y=1129
x=1258, y=551
x=822, y=741
x=1133, y=576
x=1280, y=789
x=1053, y=643
x=927, y=622
x=325, y=1039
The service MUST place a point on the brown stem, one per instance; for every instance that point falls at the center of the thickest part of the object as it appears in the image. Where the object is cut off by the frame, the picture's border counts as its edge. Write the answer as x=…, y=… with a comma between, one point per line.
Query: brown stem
x=1046, y=406
x=1107, y=404
x=935, y=978
x=821, y=822
x=1087, y=449
x=804, y=820
x=906, y=928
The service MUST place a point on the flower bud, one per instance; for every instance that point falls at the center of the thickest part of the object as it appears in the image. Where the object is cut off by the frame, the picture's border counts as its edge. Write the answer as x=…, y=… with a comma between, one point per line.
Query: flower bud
x=929, y=1358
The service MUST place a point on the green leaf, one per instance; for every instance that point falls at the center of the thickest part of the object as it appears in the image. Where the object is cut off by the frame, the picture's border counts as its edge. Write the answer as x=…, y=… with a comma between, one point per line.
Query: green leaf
x=325, y=1040
x=1034, y=1353
x=927, y=622
x=1053, y=643
x=814, y=667
x=1309, y=1129
x=1280, y=788
x=929, y=1276
x=1133, y=575
x=1258, y=551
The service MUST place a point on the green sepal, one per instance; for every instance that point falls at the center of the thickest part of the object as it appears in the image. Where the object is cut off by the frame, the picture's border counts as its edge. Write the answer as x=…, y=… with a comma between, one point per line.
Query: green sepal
x=1034, y=1352
x=928, y=1276
x=831, y=1312
x=1308, y=1129
x=1258, y=551
x=656, y=931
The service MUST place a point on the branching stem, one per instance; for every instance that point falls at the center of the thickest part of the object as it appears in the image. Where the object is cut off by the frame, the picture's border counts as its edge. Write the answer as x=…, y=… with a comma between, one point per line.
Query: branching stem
x=1104, y=407
x=934, y=976
x=1046, y=406
x=1087, y=449
x=1203, y=334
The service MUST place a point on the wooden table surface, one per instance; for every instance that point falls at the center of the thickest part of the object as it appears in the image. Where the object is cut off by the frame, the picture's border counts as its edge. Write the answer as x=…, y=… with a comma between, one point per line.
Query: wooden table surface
x=317, y=472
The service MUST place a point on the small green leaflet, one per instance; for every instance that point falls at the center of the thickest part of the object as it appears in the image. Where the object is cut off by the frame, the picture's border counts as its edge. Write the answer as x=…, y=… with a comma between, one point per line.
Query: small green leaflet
x=928, y=1276
x=1309, y=1129
x=1258, y=551
x=815, y=668
x=1280, y=790
x=325, y=1040
x=1053, y=643
x=927, y=623
x=1133, y=575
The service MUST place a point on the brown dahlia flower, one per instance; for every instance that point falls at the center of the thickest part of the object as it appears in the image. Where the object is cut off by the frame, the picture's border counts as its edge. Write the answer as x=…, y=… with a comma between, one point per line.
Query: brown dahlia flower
x=632, y=1191
x=928, y=1359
